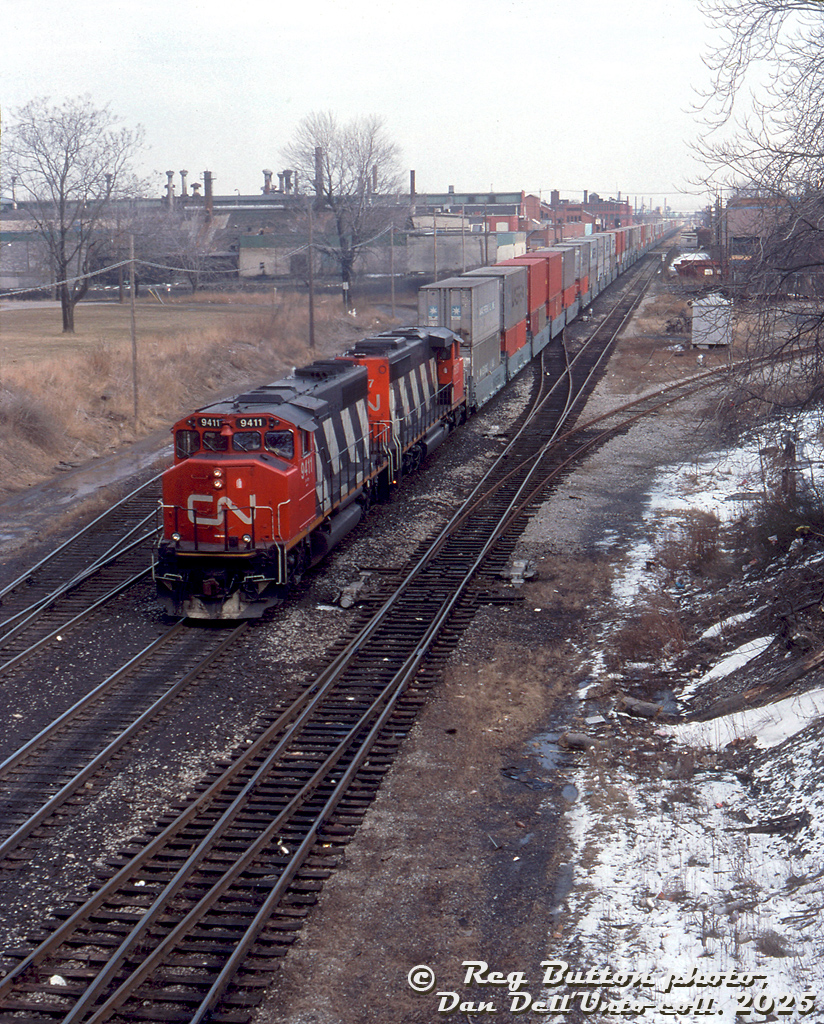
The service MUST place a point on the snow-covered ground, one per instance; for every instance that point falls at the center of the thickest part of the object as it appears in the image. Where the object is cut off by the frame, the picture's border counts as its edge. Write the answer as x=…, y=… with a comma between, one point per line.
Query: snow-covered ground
x=704, y=883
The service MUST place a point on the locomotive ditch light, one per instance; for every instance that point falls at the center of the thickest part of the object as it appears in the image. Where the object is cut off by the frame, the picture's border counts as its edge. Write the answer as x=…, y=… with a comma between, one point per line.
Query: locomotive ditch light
x=176, y=538
x=246, y=538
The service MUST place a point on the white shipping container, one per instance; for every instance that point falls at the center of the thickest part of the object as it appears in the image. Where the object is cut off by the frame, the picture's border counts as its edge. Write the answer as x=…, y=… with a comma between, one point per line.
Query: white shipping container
x=711, y=321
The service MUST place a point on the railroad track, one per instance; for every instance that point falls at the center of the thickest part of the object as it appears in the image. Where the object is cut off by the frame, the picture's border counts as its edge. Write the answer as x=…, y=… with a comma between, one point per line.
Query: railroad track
x=188, y=925
x=83, y=573
x=77, y=747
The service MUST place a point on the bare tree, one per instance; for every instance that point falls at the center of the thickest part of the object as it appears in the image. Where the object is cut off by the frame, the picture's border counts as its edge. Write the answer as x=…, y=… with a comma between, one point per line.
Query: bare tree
x=187, y=242
x=354, y=169
x=68, y=163
x=766, y=107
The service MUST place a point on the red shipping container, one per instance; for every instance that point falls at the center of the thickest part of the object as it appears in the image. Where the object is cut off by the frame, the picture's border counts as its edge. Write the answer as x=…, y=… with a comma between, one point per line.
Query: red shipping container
x=515, y=338
x=570, y=295
x=537, y=283
x=555, y=274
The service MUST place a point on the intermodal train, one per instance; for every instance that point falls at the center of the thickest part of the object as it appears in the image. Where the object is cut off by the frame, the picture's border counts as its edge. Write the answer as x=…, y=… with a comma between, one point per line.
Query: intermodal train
x=265, y=484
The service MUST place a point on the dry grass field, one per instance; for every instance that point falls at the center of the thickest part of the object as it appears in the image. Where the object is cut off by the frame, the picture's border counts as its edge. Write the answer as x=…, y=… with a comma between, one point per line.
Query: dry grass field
x=69, y=398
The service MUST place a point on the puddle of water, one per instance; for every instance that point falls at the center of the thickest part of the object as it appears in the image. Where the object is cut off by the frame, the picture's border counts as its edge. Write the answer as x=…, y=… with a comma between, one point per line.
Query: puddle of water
x=564, y=882
x=570, y=793
x=549, y=753
x=666, y=698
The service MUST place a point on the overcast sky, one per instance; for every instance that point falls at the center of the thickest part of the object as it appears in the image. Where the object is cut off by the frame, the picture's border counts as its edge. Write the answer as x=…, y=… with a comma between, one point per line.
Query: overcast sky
x=479, y=94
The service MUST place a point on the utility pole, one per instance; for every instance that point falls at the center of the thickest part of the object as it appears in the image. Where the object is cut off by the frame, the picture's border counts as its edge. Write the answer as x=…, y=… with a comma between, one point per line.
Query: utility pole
x=435, y=244
x=311, y=280
x=133, y=326
x=392, y=266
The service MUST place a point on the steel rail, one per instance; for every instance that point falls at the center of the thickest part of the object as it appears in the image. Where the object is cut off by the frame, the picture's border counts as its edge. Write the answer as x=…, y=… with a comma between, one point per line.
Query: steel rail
x=112, y=748
x=39, y=606
x=311, y=697
x=391, y=693
x=67, y=543
x=13, y=760
x=119, y=589
x=243, y=861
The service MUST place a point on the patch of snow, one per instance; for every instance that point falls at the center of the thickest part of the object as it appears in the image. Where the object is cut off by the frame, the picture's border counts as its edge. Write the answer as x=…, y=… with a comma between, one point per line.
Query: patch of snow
x=768, y=725
x=680, y=868
x=733, y=620
x=740, y=657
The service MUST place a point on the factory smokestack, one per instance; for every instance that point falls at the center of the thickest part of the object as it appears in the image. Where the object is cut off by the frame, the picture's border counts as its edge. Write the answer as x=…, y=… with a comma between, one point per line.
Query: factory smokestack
x=207, y=189
x=267, y=182
x=183, y=192
x=412, y=184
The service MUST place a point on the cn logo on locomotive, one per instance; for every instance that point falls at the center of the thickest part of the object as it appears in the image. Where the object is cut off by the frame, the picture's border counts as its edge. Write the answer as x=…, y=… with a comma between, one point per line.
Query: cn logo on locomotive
x=222, y=503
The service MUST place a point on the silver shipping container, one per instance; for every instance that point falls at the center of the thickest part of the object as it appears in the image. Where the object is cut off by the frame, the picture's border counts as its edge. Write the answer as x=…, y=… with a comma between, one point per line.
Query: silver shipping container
x=513, y=293
x=584, y=246
x=600, y=242
x=485, y=357
x=572, y=258
x=468, y=306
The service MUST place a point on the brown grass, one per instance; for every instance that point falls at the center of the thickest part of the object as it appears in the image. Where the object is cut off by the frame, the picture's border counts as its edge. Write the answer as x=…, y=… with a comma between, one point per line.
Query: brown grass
x=655, y=630
x=691, y=545
x=70, y=398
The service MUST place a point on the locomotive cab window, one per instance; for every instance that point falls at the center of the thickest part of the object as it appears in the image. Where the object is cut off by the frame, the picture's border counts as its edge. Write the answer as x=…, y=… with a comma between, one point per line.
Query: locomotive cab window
x=214, y=441
x=246, y=441
x=187, y=443
x=281, y=442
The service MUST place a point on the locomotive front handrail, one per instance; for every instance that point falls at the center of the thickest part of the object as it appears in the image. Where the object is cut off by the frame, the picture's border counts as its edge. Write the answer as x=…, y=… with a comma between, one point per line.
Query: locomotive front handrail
x=191, y=514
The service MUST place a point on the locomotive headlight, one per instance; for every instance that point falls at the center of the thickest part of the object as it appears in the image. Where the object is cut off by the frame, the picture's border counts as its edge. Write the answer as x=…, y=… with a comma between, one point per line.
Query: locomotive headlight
x=217, y=483
x=217, y=471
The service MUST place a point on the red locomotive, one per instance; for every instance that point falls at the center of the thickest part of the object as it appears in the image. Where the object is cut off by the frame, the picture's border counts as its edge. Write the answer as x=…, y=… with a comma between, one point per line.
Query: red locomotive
x=267, y=483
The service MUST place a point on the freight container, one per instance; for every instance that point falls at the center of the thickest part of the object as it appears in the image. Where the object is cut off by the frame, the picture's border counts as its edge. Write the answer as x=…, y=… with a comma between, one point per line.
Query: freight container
x=598, y=266
x=518, y=350
x=513, y=294
x=570, y=295
x=466, y=305
x=571, y=264
x=555, y=303
x=620, y=246
x=515, y=338
x=537, y=286
x=584, y=247
x=485, y=367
